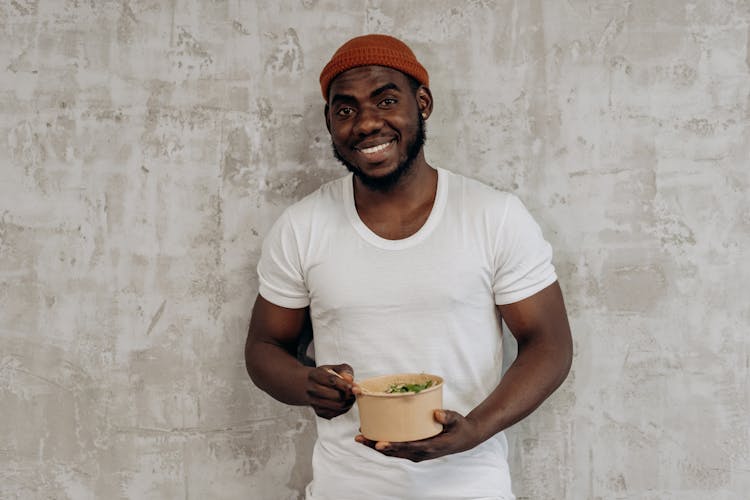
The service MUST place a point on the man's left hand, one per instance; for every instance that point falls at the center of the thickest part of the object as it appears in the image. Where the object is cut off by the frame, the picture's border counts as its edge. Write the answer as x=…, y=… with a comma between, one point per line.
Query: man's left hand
x=459, y=434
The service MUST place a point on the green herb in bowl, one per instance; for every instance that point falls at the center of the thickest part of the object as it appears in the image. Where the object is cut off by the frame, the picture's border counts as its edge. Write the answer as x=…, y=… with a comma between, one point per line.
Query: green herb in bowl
x=403, y=387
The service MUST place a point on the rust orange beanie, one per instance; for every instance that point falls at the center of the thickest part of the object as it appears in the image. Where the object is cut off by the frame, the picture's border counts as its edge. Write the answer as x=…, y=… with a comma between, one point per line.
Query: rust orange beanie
x=377, y=50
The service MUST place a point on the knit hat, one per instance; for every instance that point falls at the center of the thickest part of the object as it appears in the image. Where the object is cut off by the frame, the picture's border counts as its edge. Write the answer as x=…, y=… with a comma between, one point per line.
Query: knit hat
x=377, y=50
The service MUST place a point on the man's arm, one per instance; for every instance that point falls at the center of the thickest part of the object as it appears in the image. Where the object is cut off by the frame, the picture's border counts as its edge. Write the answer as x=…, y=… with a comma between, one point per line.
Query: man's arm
x=272, y=364
x=545, y=353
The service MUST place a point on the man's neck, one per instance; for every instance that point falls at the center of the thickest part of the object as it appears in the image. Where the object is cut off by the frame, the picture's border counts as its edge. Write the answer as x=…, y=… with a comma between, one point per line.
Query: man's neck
x=402, y=210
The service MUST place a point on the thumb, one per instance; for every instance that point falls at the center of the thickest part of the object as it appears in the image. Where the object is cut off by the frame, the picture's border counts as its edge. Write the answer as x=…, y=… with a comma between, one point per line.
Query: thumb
x=447, y=417
x=345, y=371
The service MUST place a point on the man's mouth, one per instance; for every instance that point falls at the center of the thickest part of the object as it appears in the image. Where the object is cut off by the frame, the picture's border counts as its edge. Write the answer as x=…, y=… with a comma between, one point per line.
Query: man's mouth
x=376, y=148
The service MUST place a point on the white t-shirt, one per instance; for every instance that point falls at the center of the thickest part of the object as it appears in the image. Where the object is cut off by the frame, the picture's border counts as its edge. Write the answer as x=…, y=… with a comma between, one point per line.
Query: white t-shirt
x=425, y=303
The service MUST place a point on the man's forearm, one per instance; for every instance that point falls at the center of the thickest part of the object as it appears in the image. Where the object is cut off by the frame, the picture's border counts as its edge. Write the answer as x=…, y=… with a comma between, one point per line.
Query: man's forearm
x=277, y=372
x=538, y=370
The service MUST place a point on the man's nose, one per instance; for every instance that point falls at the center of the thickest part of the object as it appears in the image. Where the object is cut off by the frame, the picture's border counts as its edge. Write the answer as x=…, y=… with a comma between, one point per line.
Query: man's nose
x=368, y=121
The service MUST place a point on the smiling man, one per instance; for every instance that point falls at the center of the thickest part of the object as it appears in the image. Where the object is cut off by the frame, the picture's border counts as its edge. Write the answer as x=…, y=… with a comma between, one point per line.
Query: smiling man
x=403, y=267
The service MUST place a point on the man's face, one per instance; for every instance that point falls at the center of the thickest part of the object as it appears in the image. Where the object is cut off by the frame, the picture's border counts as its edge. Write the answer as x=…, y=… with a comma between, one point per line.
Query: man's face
x=375, y=124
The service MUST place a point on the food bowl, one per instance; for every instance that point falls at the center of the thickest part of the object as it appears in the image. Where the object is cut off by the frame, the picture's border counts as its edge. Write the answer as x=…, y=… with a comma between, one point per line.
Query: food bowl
x=399, y=416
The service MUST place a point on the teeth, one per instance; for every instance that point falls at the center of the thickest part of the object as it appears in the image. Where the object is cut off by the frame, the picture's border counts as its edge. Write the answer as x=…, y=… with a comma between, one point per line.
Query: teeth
x=375, y=149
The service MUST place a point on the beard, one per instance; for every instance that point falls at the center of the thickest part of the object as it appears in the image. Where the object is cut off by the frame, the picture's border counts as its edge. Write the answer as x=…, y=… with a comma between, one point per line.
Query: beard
x=387, y=182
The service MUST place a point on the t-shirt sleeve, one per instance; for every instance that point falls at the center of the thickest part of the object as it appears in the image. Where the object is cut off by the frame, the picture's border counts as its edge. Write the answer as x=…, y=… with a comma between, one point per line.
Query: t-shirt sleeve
x=523, y=258
x=280, y=269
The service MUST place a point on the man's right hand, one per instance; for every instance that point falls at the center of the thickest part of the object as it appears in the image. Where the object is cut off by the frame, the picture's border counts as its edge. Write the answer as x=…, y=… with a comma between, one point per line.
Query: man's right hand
x=272, y=364
x=329, y=395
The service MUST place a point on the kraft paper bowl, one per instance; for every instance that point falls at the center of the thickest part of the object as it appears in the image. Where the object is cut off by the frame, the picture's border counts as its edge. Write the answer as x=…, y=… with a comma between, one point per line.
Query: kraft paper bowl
x=398, y=417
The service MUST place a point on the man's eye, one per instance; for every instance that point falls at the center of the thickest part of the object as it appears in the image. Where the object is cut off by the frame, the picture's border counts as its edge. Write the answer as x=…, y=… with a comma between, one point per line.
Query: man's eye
x=344, y=111
x=388, y=101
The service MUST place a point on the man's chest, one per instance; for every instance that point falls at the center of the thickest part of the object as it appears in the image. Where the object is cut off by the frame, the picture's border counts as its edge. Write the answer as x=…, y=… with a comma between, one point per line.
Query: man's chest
x=354, y=275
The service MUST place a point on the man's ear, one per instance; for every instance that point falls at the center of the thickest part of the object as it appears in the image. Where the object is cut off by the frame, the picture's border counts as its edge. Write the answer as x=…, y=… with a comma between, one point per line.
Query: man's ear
x=424, y=101
x=328, y=119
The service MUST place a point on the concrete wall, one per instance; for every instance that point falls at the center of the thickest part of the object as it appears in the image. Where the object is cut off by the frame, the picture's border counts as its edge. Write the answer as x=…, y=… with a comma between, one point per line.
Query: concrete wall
x=147, y=145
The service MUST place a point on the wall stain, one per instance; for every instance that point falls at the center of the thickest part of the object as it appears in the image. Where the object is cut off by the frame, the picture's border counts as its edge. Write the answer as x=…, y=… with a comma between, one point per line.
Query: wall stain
x=189, y=53
x=126, y=23
x=288, y=57
x=239, y=28
x=25, y=7
x=236, y=159
x=700, y=126
x=156, y=317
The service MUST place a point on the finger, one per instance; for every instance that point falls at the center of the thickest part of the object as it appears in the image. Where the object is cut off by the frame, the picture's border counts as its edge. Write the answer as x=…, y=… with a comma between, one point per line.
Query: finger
x=363, y=440
x=412, y=450
x=326, y=414
x=328, y=377
x=333, y=400
x=344, y=370
x=344, y=376
x=383, y=446
x=323, y=392
x=328, y=404
x=447, y=417
x=328, y=409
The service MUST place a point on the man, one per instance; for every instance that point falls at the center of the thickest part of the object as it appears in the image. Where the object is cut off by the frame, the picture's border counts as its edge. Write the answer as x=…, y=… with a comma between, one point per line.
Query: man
x=403, y=267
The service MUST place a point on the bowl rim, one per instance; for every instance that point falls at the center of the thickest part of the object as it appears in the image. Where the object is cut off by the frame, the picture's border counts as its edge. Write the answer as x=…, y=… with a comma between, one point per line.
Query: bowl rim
x=381, y=394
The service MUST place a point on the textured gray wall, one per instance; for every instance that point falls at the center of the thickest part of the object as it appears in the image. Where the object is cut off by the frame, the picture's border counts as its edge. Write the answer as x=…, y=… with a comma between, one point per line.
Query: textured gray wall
x=147, y=145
